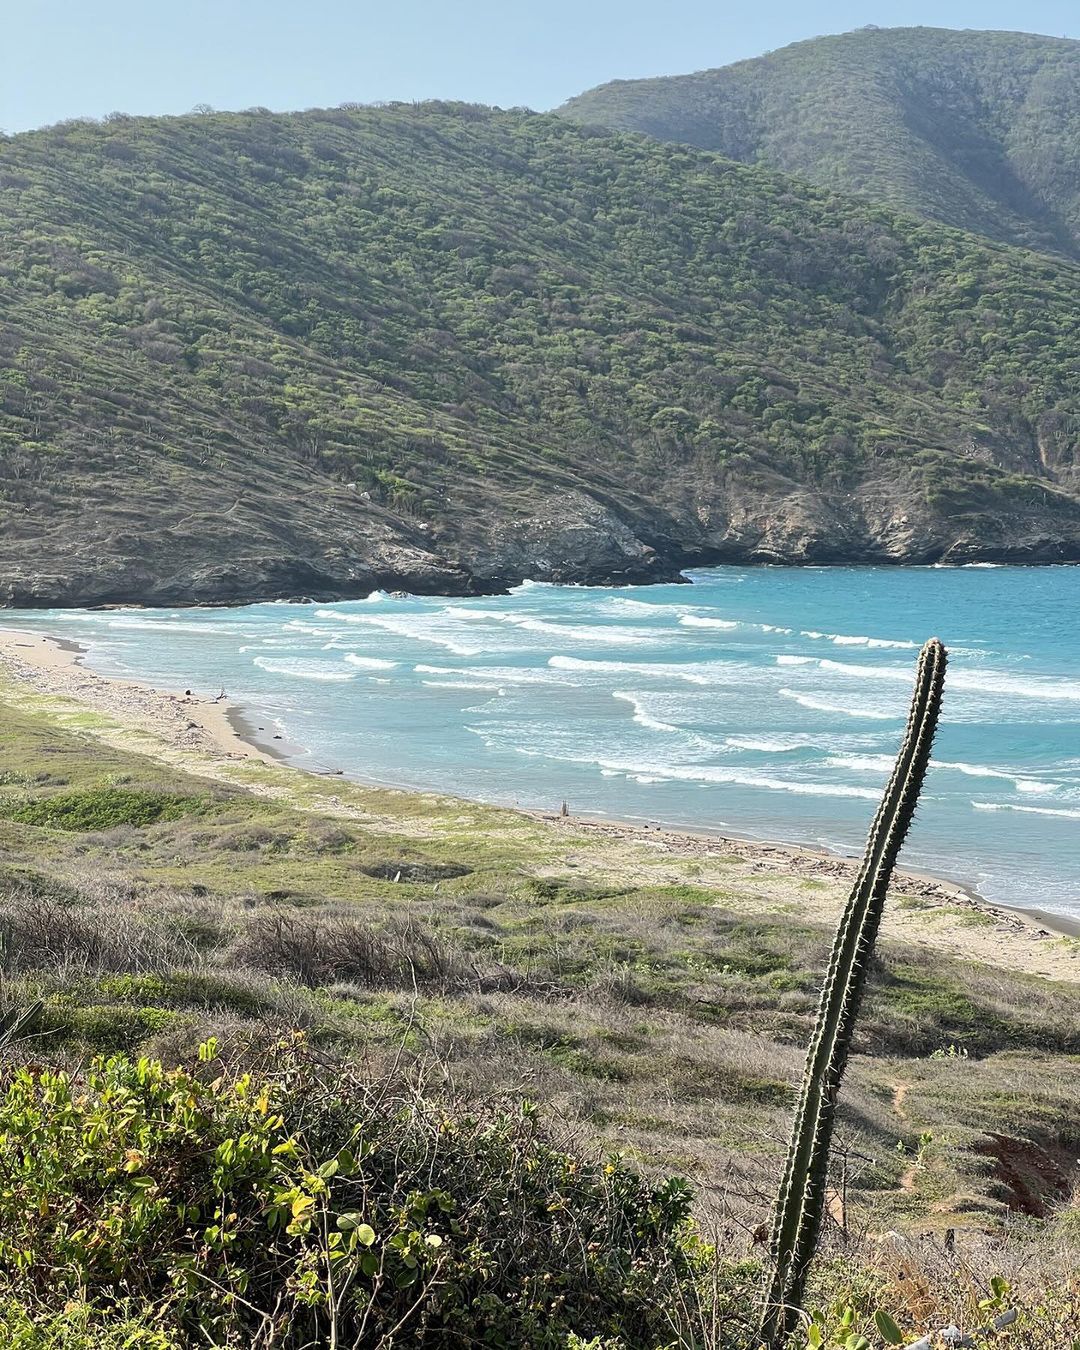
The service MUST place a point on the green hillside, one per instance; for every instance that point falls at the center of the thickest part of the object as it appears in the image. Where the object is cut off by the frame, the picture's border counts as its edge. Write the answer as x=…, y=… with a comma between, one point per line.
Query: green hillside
x=977, y=130
x=444, y=347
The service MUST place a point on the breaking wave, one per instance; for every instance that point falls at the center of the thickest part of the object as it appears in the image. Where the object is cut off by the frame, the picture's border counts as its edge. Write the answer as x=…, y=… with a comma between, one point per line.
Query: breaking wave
x=858, y=640
x=298, y=668
x=982, y=682
x=642, y=716
x=712, y=673
x=369, y=662
x=846, y=710
x=700, y=621
x=1065, y=813
x=611, y=635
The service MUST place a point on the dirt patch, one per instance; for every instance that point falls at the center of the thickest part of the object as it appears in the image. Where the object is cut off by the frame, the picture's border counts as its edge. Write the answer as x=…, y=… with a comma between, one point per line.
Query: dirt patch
x=415, y=871
x=1029, y=1177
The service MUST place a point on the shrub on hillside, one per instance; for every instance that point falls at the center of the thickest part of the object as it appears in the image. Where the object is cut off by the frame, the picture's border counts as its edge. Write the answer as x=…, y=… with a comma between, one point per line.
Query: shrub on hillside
x=100, y=809
x=289, y=1213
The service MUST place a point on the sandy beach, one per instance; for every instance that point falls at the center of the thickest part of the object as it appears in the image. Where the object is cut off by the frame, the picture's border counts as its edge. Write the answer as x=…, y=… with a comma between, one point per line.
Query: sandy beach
x=217, y=734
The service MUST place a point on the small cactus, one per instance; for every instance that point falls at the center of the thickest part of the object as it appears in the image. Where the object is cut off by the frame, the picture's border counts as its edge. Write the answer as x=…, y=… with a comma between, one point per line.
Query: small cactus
x=800, y=1201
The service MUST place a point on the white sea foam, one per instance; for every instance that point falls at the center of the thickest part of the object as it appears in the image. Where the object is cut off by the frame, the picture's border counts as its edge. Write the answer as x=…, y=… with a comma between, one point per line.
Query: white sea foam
x=821, y=705
x=884, y=764
x=774, y=745
x=612, y=635
x=621, y=605
x=504, y=674
x=369, y=662
x=172, y=626
x=265, y=642
x=300, y=669
x=787, y=742
x=656, y=772
x=844, y=640
x=861, y=763
x=474, y=685
x=1062, y=812
x=1021, y=782
x=784, y=660
x=713, y=673
x=641, y=714
x=770, y=745
x=982, y=682
x=856, y=640
x=705, y=622
x=722, y=774
x=701, y=621
x=421, y=628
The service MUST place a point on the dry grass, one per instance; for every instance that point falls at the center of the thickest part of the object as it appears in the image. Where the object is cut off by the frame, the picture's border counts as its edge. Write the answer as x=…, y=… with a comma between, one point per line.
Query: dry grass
x=656, y=1019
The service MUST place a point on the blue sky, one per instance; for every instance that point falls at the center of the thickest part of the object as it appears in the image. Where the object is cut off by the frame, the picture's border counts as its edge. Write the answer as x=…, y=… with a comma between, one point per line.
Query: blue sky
x=71, y=58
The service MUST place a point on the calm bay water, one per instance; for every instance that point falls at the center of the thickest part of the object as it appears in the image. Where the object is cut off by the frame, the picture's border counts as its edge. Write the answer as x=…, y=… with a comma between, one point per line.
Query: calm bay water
x=766, y=702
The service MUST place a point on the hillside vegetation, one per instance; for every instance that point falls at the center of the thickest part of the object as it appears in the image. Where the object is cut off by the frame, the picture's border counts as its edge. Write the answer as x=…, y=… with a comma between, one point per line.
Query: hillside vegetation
x=444, y=347
x=976, y=130
x=315, y=1055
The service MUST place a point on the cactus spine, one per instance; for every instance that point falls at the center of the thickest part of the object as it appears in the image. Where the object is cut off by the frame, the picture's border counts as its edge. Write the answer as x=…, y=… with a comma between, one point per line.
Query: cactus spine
x=800, y=1201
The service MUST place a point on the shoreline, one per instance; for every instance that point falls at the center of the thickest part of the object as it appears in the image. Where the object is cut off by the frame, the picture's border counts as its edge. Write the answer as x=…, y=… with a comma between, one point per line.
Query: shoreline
x=221, y=728
x=475, y=587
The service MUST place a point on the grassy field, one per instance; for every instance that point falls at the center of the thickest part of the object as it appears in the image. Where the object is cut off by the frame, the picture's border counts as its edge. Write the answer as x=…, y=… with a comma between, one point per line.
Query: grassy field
x=650, y=1004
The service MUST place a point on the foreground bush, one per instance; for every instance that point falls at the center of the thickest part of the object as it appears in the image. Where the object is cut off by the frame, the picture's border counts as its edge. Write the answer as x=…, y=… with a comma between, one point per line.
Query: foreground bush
x=79, y=1326
x=287, y=1213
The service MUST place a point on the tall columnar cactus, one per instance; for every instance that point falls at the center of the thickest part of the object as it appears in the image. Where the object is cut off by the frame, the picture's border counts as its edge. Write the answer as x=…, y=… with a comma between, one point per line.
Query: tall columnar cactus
x=801, y=1198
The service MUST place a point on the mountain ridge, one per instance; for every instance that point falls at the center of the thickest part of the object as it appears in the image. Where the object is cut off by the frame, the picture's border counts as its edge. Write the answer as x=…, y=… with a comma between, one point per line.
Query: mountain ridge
x=446, y=348
x=971, y=128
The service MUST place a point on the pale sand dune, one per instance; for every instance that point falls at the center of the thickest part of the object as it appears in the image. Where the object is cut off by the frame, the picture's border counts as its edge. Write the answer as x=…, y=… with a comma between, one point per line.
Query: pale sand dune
x=208, y=737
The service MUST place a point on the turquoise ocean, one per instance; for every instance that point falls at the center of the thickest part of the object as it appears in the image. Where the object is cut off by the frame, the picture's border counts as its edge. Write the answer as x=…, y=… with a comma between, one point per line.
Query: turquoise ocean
x=762, y=702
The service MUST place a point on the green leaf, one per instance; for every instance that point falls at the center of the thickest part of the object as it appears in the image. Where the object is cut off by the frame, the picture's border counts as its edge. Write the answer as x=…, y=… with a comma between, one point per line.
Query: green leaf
x=889, y=1332
x=353, y=1222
